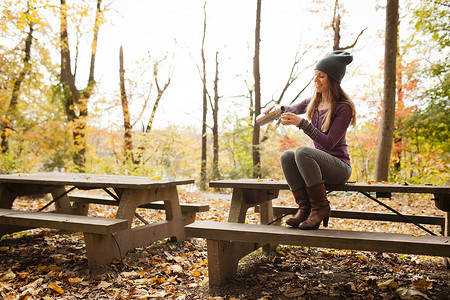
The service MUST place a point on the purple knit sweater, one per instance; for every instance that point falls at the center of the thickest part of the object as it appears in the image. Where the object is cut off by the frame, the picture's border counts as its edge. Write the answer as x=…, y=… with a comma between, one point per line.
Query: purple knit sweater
x=332, y=142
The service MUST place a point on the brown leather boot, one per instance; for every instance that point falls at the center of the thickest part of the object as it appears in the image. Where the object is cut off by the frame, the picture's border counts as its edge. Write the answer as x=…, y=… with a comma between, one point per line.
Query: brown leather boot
x=320, y=207
x=304, y=208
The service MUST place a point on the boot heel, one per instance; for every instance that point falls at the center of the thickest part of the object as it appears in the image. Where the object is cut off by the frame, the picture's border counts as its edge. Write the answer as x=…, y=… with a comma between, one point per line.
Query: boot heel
x=325, y=222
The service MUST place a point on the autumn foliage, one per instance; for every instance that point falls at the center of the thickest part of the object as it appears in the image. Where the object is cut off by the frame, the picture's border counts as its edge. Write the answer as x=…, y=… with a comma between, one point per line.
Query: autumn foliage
x=37, y=134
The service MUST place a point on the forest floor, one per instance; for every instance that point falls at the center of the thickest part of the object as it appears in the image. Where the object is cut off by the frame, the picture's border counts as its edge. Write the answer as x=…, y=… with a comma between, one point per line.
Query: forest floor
x=50, y=264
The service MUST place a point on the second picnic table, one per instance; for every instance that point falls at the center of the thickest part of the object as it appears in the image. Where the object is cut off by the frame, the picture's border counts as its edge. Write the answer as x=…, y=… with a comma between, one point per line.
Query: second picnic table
x=102, y=245
x=228, y=242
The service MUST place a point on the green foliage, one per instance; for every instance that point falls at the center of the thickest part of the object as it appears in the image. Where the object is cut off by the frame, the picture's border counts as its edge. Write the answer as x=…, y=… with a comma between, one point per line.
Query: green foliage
x=41, y=138
x=237, y=147
x=431, y=17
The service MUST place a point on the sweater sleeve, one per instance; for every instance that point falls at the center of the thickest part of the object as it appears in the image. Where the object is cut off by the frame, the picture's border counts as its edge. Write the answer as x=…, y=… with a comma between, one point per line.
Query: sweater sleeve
x=338, y=128
x=298, y=108
x=309, y=129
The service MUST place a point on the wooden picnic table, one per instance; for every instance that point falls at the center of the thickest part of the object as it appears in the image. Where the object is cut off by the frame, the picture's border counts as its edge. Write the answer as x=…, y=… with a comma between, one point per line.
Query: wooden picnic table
x=251, y=192
x=110, y=238
x=228, y=242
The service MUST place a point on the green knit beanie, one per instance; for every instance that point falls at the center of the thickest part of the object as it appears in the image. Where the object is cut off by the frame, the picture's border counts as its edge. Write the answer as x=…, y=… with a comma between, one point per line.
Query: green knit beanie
x=333, y=64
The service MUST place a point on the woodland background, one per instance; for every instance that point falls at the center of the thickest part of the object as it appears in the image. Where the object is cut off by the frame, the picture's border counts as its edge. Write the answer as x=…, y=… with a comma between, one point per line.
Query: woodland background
x=54, y=119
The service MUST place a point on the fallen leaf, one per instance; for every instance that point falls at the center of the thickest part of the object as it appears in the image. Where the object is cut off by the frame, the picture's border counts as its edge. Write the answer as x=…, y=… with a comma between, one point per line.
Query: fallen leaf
x=130, y=275
x=406, y=293
x=388, y=283
x=23, y=274
x=103, y=285
x=97, y=278
x=294, y=293
x=54, y=268
x=352, y=286
x=35, y=283
x=8, y=276
x=59, y=259
x=363, y=258
x=117, y=261
x=55, y=287
x=74, y=280
x=422, y=284
x=177, y=269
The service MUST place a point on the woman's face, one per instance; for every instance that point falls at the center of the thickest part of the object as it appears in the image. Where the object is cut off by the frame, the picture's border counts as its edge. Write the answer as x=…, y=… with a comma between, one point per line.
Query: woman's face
x=321, y=81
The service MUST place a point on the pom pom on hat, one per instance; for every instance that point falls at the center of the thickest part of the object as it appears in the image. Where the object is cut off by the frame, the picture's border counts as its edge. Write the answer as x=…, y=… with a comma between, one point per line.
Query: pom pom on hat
x=334, y=64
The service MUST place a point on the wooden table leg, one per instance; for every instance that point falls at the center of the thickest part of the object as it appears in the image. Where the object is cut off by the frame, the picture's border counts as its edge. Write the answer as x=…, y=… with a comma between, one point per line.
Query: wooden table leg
x=7, y=198
x=174, y=215
x=63, y=204
x=243, y=199
x=447, y=233
x=238, y=207
x=231, y=252
x=266, y=212
x=102, y=249
x=223, y=258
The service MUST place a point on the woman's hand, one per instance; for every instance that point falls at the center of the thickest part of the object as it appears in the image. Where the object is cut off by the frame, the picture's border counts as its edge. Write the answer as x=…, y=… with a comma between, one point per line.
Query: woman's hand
x=269, y=108
x=290, y=119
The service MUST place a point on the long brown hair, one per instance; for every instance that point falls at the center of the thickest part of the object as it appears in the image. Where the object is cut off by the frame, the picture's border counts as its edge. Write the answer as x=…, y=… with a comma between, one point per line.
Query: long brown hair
x=336, y=95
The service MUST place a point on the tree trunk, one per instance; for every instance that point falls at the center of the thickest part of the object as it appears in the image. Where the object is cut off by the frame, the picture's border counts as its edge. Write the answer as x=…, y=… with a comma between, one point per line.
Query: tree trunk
x=91, y=80
x=398, y=132
x=256, y=74
x=385, y=136
x=337, y=30
x=127, y=135
x=203, y=178
x=12, y=109
x=158, y=97
x=215, y=130
x=72, y=97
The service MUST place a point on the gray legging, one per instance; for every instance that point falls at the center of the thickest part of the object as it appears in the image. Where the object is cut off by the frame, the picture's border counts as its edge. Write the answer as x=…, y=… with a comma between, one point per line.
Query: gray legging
x=309, y=166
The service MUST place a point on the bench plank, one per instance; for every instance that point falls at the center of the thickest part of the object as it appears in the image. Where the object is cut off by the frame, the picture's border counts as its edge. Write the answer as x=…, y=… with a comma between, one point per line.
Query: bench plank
x=107, y=200
x=324, y=238
x=67, y=222
x=366, y=215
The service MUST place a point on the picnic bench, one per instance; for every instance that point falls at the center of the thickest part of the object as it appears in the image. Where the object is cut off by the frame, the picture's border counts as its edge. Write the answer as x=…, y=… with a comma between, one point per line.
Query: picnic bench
x=228, y=242
x=188, y=210
x=105, y=239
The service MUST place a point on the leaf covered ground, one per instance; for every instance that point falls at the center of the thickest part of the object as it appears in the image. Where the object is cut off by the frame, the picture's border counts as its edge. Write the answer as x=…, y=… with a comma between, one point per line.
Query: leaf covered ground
x=50, y=264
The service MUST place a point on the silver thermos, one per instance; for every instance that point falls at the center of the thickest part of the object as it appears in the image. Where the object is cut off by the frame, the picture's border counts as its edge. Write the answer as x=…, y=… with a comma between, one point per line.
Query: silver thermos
x=274, y=114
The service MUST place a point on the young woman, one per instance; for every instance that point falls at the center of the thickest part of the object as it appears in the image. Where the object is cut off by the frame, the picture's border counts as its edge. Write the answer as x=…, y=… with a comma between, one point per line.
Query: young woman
x=329, y=113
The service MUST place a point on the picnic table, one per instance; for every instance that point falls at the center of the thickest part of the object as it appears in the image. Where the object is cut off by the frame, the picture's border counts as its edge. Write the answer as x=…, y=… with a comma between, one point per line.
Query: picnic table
x=105, y=239
x=228, y=242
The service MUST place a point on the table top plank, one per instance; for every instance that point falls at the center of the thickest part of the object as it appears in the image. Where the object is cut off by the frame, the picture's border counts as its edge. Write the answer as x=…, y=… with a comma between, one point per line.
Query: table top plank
x=92, y=180
x=350, y=186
